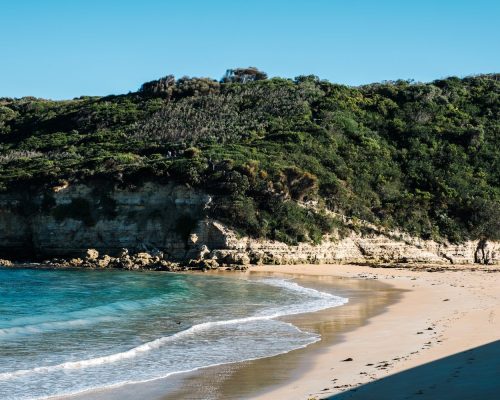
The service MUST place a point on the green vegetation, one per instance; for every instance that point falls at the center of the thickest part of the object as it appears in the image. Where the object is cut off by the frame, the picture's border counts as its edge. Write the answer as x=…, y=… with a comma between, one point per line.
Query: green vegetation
x=421, y=157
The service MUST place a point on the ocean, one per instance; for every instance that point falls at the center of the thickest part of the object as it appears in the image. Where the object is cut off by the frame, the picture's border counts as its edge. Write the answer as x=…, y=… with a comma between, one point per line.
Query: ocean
x=69, y=331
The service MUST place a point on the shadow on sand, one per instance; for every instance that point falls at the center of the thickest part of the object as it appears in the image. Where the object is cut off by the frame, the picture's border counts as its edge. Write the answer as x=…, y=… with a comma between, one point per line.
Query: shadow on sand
x=470, y=375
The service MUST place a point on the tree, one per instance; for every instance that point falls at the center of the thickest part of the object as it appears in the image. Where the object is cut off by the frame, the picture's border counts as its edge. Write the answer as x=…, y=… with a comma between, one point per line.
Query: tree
x=243, y=75
x=189, y=87
x=163, y=86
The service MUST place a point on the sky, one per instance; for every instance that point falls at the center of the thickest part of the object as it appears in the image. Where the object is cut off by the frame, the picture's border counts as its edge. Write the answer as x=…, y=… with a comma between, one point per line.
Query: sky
x=62, y=49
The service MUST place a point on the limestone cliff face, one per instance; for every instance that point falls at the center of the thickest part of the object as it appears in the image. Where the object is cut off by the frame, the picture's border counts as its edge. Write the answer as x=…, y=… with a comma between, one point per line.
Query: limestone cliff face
x=375, y=248
x=72, y=219
x=172, y=218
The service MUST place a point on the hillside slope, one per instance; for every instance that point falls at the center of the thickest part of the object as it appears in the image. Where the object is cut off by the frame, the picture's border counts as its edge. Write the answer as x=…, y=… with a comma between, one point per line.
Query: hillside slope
x=420, y=157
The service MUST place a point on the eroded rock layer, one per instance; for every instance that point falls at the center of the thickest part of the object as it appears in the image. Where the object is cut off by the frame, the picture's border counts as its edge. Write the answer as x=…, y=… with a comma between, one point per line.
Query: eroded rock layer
x=173, y=219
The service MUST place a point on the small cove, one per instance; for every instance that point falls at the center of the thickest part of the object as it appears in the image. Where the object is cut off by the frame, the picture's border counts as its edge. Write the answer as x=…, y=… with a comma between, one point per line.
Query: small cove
x=242, y=380
x=64, y=332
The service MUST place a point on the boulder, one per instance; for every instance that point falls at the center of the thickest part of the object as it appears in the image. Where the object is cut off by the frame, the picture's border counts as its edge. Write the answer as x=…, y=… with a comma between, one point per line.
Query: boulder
x=257, y=257
x=6, y=263
x=232, y=257
x=211, y=263
x=164, y=265
x=104, y=261
x=486, y=253
x=92, y=254
x=125, y=263
x=75, y=262
x=203, y=264
x=142, y=260
x=241, y=259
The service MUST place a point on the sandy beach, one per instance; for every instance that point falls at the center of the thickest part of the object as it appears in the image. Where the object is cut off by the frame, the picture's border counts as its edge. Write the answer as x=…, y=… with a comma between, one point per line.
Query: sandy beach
x=404, y=334
x=447, y=320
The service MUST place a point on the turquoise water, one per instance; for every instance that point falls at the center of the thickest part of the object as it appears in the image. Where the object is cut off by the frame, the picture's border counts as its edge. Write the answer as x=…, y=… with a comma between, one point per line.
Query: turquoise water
x=64, y=332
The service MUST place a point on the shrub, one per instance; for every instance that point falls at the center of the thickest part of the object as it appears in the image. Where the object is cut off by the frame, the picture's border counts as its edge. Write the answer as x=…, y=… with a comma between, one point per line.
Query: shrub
x=422, y=157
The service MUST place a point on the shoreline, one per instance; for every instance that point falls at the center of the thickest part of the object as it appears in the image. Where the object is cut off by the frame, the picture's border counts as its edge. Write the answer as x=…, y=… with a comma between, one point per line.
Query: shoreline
x=433, y=314
x=252, y=378
x=439, y=315
x=245, y=378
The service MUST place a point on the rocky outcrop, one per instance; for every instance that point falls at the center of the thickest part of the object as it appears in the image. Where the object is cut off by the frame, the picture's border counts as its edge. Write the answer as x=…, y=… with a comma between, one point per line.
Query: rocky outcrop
x=137, y=262
x=160, y=224
x=124, y=260
x=376, y=248
x=72, y=218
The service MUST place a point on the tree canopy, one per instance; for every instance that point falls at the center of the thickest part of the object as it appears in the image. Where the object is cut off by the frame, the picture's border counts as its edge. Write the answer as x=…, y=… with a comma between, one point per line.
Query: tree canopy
x=422, y=157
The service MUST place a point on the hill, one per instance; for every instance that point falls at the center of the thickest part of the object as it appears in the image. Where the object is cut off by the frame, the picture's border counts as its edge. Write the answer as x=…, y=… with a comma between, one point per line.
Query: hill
x=281, y=157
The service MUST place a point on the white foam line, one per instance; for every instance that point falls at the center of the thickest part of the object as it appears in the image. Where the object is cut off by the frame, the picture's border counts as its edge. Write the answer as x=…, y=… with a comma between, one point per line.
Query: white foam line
x=293, y=286
x=146, y=347
x=132, y=353
x=314, y=339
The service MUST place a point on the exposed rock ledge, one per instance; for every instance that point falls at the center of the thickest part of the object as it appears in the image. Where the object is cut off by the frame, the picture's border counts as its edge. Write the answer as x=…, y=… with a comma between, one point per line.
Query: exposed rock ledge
x=211, y=239
x=171, y=219
x=214, y=246
x=156, y=261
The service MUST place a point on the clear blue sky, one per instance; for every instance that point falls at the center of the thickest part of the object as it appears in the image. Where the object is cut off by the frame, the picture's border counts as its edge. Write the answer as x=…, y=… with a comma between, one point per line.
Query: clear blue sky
x=66, y=48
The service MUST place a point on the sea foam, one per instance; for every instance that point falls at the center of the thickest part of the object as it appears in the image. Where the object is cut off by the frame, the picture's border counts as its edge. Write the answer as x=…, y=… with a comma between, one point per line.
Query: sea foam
x=323, y=300
x=59, y=378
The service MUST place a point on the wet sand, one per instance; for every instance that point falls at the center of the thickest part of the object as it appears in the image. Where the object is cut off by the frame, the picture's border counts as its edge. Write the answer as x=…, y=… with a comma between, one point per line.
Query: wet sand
x=439, y=341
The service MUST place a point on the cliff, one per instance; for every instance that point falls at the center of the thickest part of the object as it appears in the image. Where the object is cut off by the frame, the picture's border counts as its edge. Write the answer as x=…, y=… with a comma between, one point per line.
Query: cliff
x=356, y=248
x=73, y=218
x=419, y=157
x=173, y=219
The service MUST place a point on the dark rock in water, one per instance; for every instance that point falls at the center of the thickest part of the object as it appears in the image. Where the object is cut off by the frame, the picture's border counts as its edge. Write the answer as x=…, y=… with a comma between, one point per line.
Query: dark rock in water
x=347, y=359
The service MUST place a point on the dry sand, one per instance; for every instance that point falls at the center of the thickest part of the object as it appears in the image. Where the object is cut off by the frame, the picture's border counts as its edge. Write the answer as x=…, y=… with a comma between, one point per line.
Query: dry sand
x=427, y=333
